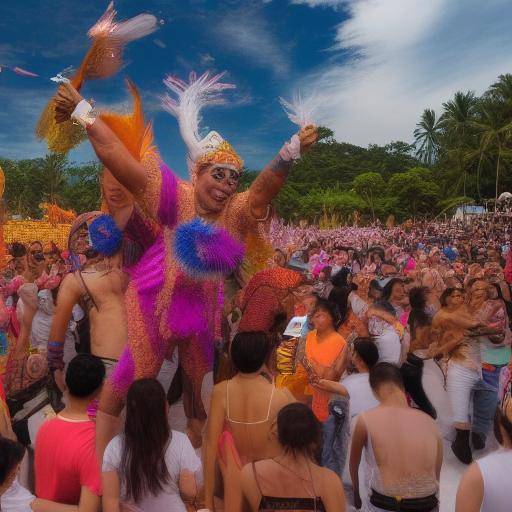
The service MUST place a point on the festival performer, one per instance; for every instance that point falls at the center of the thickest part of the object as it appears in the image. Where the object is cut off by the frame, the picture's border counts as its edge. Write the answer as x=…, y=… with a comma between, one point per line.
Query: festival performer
x=175, y=292
x=98, y=285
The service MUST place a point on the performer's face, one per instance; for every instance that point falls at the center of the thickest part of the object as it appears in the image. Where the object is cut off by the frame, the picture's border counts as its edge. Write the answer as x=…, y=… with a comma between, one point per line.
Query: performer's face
x=79, y=243
x=214, y=186
x=115, y=194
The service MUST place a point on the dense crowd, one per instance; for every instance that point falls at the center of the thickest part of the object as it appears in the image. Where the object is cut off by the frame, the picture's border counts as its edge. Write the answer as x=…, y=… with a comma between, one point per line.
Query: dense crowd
x=390, y=332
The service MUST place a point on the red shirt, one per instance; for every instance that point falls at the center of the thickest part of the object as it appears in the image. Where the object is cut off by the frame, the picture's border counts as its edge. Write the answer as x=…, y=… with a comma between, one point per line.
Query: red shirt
x=65, y=460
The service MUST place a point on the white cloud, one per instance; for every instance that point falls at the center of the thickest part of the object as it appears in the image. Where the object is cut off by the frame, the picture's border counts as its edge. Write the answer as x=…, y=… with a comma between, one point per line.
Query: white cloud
x=245, y=32
x=318, y=3
x=206, y=59
x=396, y=57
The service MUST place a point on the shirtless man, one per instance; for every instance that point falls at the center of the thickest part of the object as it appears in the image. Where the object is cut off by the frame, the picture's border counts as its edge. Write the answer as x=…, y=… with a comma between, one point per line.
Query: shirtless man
x=99, y=286
x=404, y=468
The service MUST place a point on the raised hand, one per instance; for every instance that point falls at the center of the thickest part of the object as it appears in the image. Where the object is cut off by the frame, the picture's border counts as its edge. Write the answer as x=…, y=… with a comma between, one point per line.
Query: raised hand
x=65, y=102
x=308, y=137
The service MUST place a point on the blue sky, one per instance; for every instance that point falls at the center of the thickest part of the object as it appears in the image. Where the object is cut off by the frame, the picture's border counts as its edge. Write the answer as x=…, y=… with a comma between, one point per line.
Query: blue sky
x=373, y=65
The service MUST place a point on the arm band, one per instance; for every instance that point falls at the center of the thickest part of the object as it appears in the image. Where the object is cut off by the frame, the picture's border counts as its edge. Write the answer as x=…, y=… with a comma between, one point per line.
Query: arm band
x=55, y=355
x=83, y=114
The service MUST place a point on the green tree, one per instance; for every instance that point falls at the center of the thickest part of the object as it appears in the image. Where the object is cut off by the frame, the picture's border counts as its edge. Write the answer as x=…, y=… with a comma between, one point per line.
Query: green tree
x=82, y=188
x=458, y=124
x=369, y=185
x=494, y=131
x=414, y=192
x=427, y=134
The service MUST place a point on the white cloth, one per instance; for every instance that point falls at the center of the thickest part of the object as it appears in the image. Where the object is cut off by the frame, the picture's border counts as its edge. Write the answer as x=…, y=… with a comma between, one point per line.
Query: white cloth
x=180, y=456
x=361, y=394
x=16, y=499
x=386, y=339
x=496, y=469
x=459, y=384
x=42, y=322
x=358, y=305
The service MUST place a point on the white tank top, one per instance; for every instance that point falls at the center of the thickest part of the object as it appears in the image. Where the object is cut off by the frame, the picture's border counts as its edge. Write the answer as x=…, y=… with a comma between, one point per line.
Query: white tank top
x=496, y=469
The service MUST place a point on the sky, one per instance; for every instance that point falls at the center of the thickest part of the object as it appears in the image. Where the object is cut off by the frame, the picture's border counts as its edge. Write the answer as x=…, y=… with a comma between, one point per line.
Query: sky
x=372, y=66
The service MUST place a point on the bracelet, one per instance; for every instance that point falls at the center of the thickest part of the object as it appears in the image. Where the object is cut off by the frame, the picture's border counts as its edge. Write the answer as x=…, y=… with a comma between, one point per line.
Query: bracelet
x=55, y=355
x=82, y=114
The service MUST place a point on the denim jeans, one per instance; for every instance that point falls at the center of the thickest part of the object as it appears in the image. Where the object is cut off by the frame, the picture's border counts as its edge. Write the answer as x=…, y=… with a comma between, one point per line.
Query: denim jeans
x=485, y=401
x=492, y=377
x=336, y=433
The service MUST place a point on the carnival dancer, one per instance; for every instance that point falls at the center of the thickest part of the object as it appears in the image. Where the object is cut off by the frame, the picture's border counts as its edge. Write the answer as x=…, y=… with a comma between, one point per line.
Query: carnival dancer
x=98, y=284
x=175, y=292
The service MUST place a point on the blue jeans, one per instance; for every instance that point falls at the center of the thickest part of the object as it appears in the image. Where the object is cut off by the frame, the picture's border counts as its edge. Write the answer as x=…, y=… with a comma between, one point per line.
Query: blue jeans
x=492, y=377
x=485, y=401
x=336, y=436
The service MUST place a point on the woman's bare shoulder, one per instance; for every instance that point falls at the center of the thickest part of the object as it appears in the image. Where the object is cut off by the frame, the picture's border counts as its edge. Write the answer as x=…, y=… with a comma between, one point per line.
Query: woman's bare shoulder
x=284, y=396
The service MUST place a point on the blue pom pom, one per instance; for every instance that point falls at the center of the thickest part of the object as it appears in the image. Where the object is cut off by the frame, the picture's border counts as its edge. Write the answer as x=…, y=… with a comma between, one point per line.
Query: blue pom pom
x=105, y=236
x=205, y=250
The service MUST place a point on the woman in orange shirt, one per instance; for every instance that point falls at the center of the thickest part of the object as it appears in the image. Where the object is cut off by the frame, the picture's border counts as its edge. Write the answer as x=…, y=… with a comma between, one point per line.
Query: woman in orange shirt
x=321, y=357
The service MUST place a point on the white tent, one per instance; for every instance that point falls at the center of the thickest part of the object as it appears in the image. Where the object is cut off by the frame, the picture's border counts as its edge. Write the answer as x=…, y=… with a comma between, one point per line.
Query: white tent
x=504, y=196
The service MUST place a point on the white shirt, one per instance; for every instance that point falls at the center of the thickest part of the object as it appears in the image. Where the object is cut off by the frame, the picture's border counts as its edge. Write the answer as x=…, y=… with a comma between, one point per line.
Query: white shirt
x=361, y=395
x=16, y=499
x=496, y=469
x=386, y=339
x=180, y=455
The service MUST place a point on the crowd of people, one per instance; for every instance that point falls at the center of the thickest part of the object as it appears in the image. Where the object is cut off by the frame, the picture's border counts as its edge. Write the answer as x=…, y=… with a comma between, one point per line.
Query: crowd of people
x=320, y=419
x=324, y=371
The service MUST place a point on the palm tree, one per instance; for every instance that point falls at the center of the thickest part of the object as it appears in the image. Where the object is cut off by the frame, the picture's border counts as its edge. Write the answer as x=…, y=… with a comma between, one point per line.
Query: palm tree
x=494, y=131
x=501, y=90
x=458, y=124
x=426, y=136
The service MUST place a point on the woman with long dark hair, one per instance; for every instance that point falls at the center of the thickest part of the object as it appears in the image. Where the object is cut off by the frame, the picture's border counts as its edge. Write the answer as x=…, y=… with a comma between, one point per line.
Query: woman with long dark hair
x=148, y=465
x=292, y=480
x=420, y=323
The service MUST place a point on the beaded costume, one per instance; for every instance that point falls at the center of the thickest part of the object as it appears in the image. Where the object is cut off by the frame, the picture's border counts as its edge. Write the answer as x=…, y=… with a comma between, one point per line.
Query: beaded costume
x=175, y=295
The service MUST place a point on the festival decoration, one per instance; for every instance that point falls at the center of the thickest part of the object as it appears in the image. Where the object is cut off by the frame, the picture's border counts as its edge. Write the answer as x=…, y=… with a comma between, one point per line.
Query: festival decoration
x=299, y=111
x=18, y=71
x=104, y=59
x=54, y=214
x=26, y=231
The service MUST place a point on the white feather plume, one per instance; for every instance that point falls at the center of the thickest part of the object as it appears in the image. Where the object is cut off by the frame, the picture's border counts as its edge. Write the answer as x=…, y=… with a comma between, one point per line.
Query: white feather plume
x=300, y=111
x=191, y=97
x=124, y=31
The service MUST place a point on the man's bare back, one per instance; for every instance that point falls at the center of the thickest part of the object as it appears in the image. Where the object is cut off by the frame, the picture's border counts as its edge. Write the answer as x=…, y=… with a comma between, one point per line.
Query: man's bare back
x=108, y=316
x=102, y=294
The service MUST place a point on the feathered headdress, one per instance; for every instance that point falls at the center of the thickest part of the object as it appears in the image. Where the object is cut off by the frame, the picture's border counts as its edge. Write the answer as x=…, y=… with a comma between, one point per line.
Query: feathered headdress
x=104, y=59
x=191, y=97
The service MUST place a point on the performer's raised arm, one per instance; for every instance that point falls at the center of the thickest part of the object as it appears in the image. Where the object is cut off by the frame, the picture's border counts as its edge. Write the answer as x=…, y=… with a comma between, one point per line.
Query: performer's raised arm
x=272, y=178
x=110, y=150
